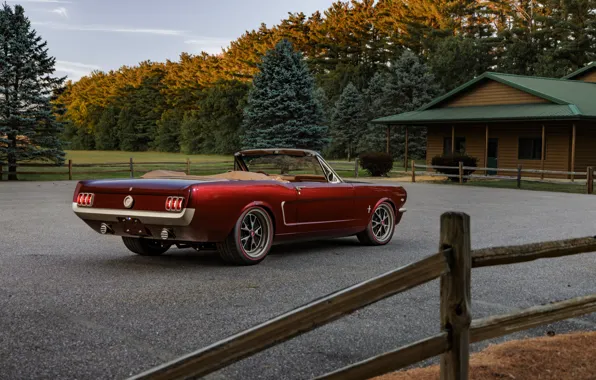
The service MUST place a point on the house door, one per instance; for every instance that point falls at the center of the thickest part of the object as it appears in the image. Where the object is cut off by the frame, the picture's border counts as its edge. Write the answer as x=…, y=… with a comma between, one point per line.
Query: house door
x=492, y=155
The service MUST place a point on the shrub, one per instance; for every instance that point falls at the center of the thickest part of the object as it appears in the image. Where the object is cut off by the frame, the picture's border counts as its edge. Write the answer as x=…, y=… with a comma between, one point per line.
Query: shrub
x=376, y=163
x=453, y=160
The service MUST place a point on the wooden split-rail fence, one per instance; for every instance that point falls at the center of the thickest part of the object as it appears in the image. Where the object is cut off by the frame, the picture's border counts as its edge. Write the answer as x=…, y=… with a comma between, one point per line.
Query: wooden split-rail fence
x=69, y=170
x=452, y=263
x=463, y=173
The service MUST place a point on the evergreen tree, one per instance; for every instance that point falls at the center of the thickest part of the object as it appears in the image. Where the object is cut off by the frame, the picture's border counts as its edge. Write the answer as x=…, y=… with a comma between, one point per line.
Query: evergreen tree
x=348, y=122
x=28, y=126
x=282, y=110
x=106, y=131
x=377, y=105
x=191, y=136
x=167, y=132
x=128, y=126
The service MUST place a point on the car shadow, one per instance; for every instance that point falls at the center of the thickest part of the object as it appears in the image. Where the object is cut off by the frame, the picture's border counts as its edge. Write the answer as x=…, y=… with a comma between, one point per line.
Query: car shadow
x=186, y=257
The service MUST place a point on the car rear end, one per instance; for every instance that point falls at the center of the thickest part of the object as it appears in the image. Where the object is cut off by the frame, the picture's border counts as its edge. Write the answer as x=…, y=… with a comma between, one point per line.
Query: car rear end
x=153, y=209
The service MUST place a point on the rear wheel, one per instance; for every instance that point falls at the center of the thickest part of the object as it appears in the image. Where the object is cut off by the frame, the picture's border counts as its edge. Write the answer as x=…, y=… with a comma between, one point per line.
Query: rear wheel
x=145, y=247
x=250, y=240
x=381, y=226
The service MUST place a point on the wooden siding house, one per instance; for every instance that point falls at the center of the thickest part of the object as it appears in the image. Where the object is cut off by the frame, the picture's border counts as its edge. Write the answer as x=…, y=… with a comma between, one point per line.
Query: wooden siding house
x=504, y=120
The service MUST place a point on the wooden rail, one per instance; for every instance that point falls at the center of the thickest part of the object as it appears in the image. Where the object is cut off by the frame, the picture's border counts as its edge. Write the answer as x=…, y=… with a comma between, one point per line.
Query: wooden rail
x=453, y=264
x=131, y=166
x=462, y=177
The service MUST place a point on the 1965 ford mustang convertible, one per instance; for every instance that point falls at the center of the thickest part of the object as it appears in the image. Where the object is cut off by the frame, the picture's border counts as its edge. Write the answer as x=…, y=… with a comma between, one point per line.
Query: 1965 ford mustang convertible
x=271, y=196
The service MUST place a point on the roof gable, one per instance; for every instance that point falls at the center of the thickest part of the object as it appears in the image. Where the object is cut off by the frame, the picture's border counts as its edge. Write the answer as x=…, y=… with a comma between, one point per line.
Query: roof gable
x=490, y=92
x=501, y=78
x=584, y=71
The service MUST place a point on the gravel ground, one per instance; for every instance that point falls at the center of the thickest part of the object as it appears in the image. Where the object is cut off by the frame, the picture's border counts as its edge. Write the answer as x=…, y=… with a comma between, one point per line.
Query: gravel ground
x=77, y=305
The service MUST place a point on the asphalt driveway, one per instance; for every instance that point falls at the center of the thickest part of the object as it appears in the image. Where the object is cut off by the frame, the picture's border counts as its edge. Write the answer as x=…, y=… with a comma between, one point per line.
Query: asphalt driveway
x=78, y=305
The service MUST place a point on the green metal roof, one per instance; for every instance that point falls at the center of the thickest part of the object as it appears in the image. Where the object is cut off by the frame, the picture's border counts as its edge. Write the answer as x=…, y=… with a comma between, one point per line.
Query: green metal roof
x=568, y=100
x=484, y=114
x=591, y=66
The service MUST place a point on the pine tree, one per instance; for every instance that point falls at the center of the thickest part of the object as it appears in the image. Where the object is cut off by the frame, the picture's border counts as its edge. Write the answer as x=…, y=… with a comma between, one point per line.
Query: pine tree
x=282, y=110
x=167, y=132
x=348, y=122
x=106, y=130
x=28, y=127
x=377, y=105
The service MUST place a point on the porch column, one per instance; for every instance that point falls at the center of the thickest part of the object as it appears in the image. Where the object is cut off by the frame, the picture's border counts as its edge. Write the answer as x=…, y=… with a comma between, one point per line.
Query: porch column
x=486, y=151
x=406, y=151
x=453, y=139
x=388, y=137
x=573, y=135
x=543, y=151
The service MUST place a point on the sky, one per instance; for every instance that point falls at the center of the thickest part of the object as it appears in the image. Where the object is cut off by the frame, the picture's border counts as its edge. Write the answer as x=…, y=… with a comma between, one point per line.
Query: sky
x=87, y=35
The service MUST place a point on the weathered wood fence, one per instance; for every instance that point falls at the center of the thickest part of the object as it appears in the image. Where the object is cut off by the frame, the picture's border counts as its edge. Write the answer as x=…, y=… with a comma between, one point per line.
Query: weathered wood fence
x=452, y=264
x=198, y=167
x=461, y=176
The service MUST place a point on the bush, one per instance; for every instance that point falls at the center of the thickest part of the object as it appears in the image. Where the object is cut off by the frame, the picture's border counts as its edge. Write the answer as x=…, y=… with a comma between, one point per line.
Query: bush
x=376, y=163
x=454, y=160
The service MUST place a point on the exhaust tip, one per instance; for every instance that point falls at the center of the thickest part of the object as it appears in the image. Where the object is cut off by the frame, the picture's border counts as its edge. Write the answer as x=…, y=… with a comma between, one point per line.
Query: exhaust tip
x=167, y=234
x=105, y=229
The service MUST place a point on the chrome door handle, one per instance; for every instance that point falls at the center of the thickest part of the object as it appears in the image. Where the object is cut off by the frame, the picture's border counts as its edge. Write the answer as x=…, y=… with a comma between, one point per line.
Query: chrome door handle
x=299, y=188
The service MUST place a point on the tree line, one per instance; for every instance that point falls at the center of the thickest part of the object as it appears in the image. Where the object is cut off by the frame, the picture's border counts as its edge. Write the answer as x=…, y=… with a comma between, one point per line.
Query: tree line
x=367, y=59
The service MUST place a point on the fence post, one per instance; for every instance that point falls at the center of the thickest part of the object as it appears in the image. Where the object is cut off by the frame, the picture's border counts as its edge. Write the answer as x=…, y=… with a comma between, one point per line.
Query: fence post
x=413, y=171
x=132, y=171
x=356, y=167
x=187, y=166
x=519, y=173
x=455, y=294
x=461, y=172
x=1, y=172
x=70, y=170
x=589, y=180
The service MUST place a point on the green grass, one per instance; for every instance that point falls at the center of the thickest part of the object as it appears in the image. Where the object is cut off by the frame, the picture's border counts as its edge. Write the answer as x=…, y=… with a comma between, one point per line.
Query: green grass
x=97, y=156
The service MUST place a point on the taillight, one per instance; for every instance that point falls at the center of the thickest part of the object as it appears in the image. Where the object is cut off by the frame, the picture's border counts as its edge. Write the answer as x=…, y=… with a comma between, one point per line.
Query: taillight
x=174, y=203
x=85, y=199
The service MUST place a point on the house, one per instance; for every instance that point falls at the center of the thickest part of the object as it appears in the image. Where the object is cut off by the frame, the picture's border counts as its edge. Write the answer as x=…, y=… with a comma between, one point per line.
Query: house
x=505, y=120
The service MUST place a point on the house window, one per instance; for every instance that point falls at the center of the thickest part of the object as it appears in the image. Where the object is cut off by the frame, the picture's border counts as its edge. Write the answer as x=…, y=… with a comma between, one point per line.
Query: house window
x=460, y=145
x=530, y=148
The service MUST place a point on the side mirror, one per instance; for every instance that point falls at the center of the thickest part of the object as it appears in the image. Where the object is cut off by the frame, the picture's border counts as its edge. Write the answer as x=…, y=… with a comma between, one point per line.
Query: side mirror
x=330, y=177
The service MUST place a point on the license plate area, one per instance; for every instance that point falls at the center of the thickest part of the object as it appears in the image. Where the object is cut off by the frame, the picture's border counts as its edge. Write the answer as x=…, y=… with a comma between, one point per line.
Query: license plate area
x=134, y=226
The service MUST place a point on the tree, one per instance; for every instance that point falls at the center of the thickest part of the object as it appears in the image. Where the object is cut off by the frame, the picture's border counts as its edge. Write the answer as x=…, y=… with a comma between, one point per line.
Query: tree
x=348, y=121
x=106, y=131
x=168, y=131
x=28, y=126
x=377, y=105
x=282, y=109
x=470, y=56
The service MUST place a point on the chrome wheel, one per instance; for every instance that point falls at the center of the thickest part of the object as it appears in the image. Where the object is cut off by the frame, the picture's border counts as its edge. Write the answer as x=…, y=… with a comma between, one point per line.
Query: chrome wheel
x=254, y=233
x=382, y=223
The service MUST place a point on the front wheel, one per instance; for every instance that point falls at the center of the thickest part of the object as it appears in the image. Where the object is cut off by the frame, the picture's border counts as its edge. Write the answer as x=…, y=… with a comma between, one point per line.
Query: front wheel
x=379, y=230
x=145, y=247
x=250, y=239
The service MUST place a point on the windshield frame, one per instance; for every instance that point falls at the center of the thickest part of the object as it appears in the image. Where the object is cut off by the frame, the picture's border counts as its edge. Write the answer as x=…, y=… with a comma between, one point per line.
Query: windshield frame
x=240, y=164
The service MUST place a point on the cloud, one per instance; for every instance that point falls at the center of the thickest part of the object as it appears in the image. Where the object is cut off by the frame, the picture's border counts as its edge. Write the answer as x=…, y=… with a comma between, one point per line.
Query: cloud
x=61, y=11
x=209, y=45
x=75, y=70
x=109, y=28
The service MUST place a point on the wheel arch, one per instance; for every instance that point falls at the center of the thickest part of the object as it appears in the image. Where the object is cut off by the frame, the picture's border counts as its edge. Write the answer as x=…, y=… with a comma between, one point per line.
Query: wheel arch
x=265, y=206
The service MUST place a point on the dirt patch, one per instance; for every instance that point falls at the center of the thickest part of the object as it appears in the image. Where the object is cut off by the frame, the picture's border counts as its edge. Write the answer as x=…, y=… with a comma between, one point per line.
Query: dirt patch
x=562, y=357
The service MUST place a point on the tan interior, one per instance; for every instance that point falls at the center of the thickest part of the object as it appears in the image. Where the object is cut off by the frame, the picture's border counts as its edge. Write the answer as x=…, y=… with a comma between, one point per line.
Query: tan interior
x=235, y=176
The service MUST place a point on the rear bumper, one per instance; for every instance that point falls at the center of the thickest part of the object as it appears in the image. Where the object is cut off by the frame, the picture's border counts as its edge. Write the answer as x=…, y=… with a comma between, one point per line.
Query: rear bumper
x=161, y=218
x=402, y=210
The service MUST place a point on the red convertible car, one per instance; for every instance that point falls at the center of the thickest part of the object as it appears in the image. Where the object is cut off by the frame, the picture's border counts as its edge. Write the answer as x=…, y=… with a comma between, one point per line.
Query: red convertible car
x=271, y=196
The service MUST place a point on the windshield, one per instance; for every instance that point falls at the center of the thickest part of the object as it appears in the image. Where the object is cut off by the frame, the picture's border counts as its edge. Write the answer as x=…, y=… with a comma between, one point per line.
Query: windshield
x=283, y=164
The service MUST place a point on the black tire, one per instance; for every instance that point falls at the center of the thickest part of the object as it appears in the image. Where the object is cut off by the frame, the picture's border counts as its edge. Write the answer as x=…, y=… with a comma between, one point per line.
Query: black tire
x=375, y=234
x=145, y=247
x=237, y=248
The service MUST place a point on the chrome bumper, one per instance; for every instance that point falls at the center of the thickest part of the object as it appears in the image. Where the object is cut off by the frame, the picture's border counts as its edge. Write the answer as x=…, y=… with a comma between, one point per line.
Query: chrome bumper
x=402, y=210
x=162, y=218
